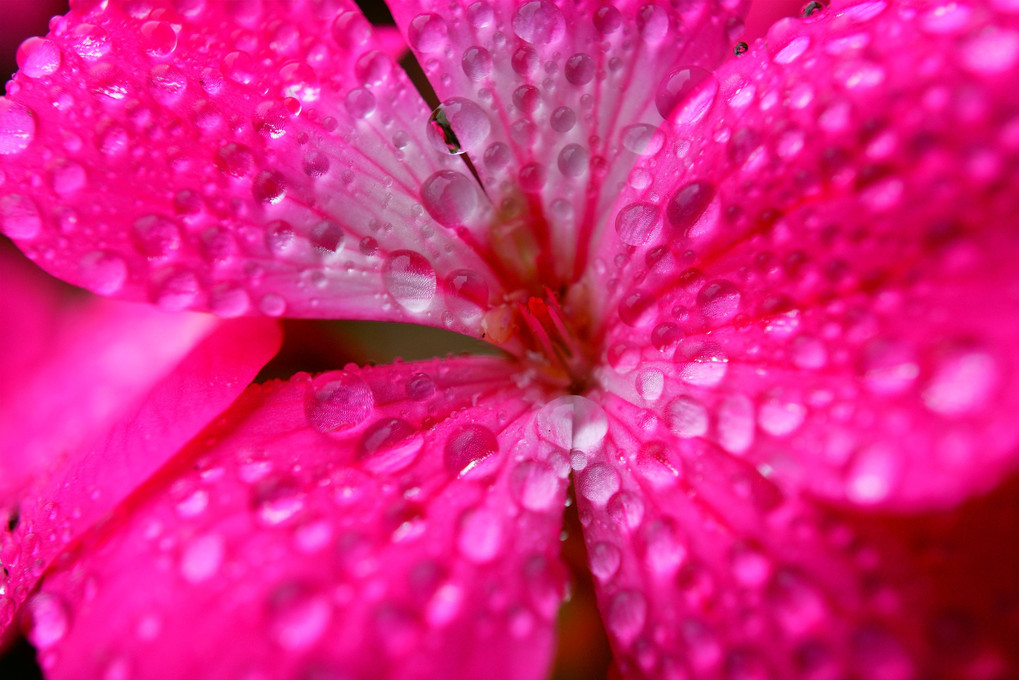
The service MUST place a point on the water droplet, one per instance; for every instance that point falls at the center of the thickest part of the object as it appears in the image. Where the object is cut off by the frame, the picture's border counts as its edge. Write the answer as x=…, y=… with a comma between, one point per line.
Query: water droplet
x=642, y=139
x=873, y=474
x=638, y=224
x=598, y=483
x=17, y=127
x=684, y=96
x=38, y=57
x=481, y=535
x=579, y=70
x=158, y=38
x=539, y=23
x=780, y=417
x=888, y=366
x=466, y=295
x=472, y=452
x=687, y=417
x=736, y=423
x=750, y=567
x=89, y=42
x=687, y=210
x=740, y=48
x=102, y=273
x=338, y=401
x=420, y=387
x=450, y=198
x=535, y=485
x=811, y=8
x=798, y=605
x=360, y=103
x=963, y=380
x=427, y=33
x=19, y=217
x=156, y=237
x=663, y=553
x=719, y=300
x=785, y=41
x=638, y=309
x=410, y=279
x=650, y=384
x=476, y=63
x=269, y=187
x=703, y=365
x=573, y=160
x=167, y=84
x=351, y=30
x=626, y=615
x=389, y=446
x=48, y=619
x=201, y=558
x=277, y=499
x=573, y=422
x=298, y=616
x=605, y=559
x=458, y=125
x=563, y=119
x=626, y=509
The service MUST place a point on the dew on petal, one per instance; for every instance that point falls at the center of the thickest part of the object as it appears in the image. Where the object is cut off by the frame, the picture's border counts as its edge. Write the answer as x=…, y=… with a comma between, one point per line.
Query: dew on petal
x=466, y=294
x=539, y=22
x=277, y=499
x=687, y=417
x=535, y=485
x=963, y=381
x=19, y=217
x=686, y=95
x=638, y=224
x=719, y=300
x=704, y=365
x=598, y=483
x=476, y=63
x=158, y=38
x=472, y=452
x=687, y=210
x=627, y=613
x=573, y=160
x=427, y=33
x=573, y=422
x=38, y=57
x=410, y=279
x=48, y=619
x=873, y=474
x=563, y=119
x=642, y=139
x=202, y=557
x=450, y=197
x=338, y=401
x=297, y=616
x=605, y=560
x=458, y=125
x=102, y=273
x=17, y=127
x=389, y=446
x=480, y=537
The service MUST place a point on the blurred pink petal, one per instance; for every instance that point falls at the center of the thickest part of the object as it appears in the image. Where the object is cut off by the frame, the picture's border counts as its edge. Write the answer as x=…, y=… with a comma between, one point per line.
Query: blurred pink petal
x=135, y=384
x=400, y=521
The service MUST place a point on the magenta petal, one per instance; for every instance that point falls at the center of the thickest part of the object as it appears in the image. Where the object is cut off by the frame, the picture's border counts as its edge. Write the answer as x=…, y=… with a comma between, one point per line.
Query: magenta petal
x=554, y=101
x=706, y=569
x=122, y=389
x=242, y=158
x=392, y=522
x=816, y=273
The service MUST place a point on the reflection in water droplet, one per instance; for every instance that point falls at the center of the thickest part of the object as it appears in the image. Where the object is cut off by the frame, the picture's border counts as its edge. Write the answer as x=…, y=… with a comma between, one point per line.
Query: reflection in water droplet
x=573, y=422
x=338, y=401
x=297, y=615
x=471, y=452
x=389, y=446
x=626, y=615
x=410, y=279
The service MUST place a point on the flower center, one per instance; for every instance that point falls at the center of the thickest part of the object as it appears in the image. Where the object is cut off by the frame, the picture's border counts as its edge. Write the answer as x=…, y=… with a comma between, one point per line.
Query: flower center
x=556, y=344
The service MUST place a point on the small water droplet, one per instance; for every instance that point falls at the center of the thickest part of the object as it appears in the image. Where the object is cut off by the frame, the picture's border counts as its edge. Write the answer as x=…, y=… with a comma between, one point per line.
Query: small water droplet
x=686, y=95
x=277, y=499
x=605, y=559
x=158, y=38
x=202, y=558
x=535, y=485
x=48, y=619
x=638, y=224
x=687, y=210
x=476, y=63
x=573, y=160
x=539, y=23
x=719, y=300
x=17, y=127
x=458, y=125
x=427, y=33
x=598, y=483
x=627, y=613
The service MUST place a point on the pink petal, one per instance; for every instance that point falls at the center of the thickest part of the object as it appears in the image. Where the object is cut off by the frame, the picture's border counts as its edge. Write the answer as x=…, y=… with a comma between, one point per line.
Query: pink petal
x=243, y=157
x=392, y=522
x=707, y=569
x=121, y=389
x=820, y=276
x=554, y=101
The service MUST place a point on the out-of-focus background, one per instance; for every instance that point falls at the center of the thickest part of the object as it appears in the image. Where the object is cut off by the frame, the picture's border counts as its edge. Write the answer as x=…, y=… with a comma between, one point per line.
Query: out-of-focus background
x=318, y=346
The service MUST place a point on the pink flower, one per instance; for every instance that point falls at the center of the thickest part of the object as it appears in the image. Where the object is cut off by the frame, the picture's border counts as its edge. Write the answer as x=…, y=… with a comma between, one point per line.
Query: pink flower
x=771, y=340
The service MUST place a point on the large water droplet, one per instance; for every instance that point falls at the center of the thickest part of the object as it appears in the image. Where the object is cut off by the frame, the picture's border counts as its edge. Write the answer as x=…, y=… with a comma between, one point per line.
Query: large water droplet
x=201, y=558
x=17, y=127
x=277, y=499
x=48, y=619
x=19, y=217
x=638, y=224
x=703, y=365
x=626, y=615
x=450, y=198
x=297, y=615
x=535, y=485
x=573, y=422
x=458, y=125
x=684, y=96
x=38, y=57
x=389, y=446
x=963, y=380
x=481, y=535
x=158, y=38
x=338, y=401
x=598, y=483
x=874, y=474
x=410, y=279
x=472, y=452
x=687, y=417
x=573, y=160
x=476, y=63
x=719, y=300
x=427, y=33
x=605, y=559
x=687, y=207
x=539, y=23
